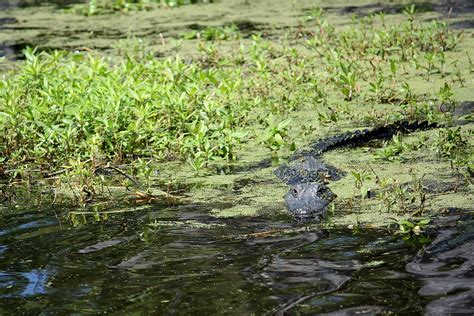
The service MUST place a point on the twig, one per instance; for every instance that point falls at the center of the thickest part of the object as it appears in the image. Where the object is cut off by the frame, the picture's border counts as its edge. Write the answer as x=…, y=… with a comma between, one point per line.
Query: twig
x=129, y=177
x=281, y=311
x=56, y=173
x=162, y=38
x=137, y=183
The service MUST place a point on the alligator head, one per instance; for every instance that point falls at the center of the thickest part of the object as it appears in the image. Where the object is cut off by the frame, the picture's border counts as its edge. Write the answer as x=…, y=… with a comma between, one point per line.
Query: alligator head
x=306, y=169
x=308, y=200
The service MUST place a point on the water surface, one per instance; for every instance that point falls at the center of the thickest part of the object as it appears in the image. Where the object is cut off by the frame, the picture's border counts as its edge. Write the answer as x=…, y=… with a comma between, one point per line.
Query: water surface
x=187, y=262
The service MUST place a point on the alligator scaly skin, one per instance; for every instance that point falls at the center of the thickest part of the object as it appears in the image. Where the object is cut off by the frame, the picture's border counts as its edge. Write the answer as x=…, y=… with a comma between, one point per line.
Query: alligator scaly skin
x=306, y=172
x=363, y=136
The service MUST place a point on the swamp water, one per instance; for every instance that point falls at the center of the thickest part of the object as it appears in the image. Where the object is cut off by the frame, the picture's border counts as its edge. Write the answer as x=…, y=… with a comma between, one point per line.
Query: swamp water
x=166, y=260
x=188, y=263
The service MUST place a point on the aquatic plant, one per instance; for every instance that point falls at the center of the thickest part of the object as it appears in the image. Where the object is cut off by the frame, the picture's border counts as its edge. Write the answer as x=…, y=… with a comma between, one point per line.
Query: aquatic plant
x=61, y=107
x=211, y=33
x=400, y=198
x=71, y=115
x=275, y=133
x=413, y=232
x=360, y=178
x=454, y=145
x=392, y=150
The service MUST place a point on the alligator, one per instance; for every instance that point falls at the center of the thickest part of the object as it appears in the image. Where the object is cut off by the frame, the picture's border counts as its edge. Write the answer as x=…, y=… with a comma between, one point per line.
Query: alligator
x=306, y=172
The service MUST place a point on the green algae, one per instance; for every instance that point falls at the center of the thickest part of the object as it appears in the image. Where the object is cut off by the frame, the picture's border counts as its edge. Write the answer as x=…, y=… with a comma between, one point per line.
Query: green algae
x=248, y=194
x=421, y=164
x=189, y=224
x=161, y=29
x=257, y=191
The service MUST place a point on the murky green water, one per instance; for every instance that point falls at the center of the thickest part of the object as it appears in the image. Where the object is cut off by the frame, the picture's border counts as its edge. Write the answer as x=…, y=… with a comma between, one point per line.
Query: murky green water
x=189, y=263
x=192, y=263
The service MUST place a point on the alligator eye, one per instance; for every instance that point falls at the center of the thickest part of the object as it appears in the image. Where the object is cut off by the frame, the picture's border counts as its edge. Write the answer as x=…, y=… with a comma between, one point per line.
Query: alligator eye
x=294, y=192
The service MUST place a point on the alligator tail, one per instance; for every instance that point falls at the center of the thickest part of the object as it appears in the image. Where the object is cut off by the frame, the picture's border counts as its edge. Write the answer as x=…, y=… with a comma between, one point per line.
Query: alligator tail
x=359, y=137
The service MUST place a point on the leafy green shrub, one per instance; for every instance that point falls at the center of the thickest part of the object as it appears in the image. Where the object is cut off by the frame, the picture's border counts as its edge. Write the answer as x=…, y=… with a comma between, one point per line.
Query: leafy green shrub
x=60, y=106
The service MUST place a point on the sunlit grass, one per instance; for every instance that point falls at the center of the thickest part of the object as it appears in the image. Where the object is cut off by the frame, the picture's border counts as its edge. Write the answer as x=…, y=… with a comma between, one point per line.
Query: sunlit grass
x=77, y=113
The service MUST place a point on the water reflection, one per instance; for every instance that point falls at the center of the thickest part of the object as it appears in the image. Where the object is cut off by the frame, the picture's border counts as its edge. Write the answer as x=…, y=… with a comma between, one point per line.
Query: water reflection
x=446, y=268
x=3, y=248
x=124, y=264
x=23, y=284
x=28, y=225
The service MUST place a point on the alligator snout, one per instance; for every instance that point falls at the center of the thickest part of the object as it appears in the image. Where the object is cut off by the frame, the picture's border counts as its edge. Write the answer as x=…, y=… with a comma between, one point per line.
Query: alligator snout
x=308, y=200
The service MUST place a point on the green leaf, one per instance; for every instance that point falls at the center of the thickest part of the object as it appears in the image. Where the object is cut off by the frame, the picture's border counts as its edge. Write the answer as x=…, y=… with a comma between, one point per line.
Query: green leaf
x=364, y=192
x=239, y=135
x=407, y=224
x=279, y=139
x=282, y=125
x=424, y=222
x=356, y=175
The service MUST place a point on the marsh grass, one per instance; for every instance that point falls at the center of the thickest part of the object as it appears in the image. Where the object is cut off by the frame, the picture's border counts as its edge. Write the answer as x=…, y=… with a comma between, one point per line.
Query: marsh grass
x=66, y=116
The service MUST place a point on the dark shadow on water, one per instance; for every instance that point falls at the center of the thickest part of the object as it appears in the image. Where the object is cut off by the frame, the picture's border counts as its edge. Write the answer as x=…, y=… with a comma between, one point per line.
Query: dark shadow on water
x=13, y=51
x=9, y=4
x=171, y=259
x=466, y=24
x=446, y=268
x=165, y=260
x=446, y=7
